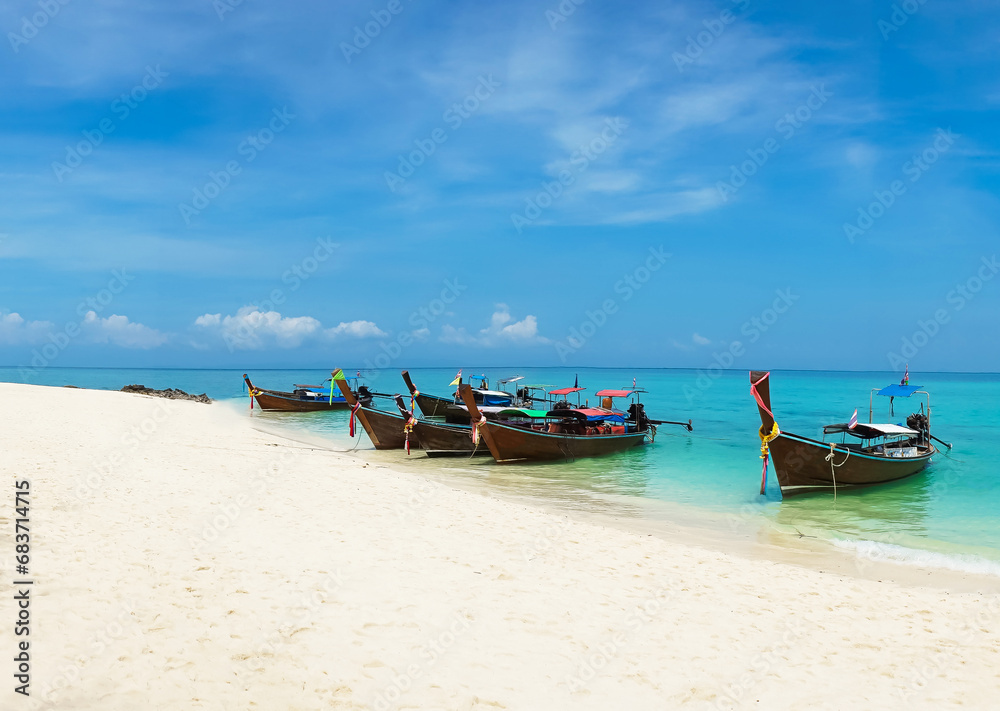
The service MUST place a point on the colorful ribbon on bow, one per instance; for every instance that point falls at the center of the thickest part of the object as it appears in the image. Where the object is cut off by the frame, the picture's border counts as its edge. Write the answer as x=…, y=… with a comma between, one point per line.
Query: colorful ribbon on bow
x=757, y=397
x=354, y=411
x=481, y=422
x=765, y=439
x=407, y=429
x=413, y=399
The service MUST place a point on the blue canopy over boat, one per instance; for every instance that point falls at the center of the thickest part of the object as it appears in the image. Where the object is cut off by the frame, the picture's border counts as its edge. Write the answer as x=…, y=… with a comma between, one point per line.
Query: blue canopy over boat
x=900, y=390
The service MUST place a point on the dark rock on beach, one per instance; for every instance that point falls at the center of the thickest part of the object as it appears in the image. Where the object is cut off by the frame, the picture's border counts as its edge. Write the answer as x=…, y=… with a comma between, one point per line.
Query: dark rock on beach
x=169, y=393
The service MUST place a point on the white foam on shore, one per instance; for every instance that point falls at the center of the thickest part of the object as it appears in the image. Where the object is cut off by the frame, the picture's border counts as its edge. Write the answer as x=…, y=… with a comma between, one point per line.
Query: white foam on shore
x=878, y=552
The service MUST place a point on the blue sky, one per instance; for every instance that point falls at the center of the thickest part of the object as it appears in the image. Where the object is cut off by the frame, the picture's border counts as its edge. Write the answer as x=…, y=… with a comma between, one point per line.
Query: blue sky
x=409, y=182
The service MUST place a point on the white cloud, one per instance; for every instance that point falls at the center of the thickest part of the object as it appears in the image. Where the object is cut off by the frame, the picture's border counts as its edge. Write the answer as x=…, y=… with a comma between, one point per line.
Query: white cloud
x=208, y=320
x=252, y=329
x=119, y=331
x=14, y=330
x=356, y=329
x=697, y=339
x=665, y=206
x=502, y=330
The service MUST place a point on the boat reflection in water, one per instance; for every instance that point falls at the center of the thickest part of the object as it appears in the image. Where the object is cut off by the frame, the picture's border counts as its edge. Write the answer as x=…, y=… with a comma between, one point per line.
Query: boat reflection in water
x=613, y=485
x=891, y=513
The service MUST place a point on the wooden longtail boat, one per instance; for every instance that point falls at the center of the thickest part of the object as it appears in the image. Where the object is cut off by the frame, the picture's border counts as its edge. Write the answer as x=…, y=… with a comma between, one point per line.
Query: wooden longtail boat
x=884, y=452
x=439, y=439
x=450, y=408
x=564, y=434
x=430, y=405
x=305, y=398
x=386, y=430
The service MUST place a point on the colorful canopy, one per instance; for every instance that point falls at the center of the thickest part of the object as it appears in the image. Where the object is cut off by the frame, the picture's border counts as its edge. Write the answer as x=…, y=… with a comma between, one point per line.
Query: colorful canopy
x=900, y=390
x=866, y=431
x=590, y=414
x=565, y=391
x=615, y=393
x=520, y=412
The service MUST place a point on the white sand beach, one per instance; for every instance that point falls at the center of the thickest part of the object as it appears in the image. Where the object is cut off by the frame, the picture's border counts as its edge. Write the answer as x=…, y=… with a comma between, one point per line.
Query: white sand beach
x=182, y=559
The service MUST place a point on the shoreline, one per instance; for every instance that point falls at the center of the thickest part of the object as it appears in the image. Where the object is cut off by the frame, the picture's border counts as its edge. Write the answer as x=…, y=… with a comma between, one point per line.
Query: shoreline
x=750, y=536
x=184, y=559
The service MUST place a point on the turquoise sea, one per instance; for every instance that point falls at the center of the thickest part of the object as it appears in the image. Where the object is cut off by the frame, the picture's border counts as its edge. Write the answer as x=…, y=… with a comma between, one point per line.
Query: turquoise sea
x=946, y=517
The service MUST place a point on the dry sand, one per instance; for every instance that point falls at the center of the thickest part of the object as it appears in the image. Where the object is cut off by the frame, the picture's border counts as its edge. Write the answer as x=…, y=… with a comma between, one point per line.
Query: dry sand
x=183, y=560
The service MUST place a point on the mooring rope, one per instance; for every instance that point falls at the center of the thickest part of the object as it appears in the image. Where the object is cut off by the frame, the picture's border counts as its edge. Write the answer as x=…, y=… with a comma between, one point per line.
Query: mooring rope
x=311, y=445
x=834, y=467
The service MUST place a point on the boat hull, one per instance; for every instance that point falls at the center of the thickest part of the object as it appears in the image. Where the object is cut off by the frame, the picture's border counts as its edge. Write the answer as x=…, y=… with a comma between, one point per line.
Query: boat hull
x=510, y=444
x=801, y=466
x=385, y=429
x=433, y=406
x=289, y=402
x=441, y=440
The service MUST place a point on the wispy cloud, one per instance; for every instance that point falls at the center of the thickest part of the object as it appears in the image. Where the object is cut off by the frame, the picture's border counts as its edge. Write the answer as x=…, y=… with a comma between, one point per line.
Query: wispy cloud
x=119, y=331
x=15, y=330
x=252, y=329
x=503, y=330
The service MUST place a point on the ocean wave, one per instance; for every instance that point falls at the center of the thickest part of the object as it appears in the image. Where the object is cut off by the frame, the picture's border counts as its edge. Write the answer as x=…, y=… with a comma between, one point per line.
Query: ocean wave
x=878, y=552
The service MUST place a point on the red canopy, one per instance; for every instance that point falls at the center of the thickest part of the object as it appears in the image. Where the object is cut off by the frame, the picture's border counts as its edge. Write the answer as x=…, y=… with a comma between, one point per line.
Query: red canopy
x=615, y=393
x=565, y=391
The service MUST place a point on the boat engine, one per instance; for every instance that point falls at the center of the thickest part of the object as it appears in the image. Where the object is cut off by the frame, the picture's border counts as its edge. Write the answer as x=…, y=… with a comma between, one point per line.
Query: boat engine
x=364, y=395
x=562, y=405
x=918, y=421
x=637, y=412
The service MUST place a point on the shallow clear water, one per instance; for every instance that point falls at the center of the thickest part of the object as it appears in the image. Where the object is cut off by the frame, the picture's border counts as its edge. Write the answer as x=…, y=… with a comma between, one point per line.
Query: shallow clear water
x=950, y=510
